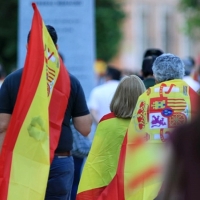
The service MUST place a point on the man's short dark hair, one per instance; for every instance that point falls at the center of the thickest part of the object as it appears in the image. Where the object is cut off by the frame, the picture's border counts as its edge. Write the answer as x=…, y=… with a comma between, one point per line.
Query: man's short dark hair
x=153, y=52
x=147, y=66
x=52, y=33
x=113, y=73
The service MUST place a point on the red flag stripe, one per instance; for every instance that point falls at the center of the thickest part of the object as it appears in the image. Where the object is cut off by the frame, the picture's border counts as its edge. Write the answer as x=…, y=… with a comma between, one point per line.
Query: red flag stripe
x=121, y=166
x=194, y=100
x=90, y=194
x=57, y=108
x=111, y=188
x=137, y=142
x=30, y=77
x=108, y=116
x=150, y=172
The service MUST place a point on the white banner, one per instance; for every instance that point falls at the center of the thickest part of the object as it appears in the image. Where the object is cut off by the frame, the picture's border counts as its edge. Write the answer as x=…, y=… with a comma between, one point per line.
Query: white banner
x=74, y=23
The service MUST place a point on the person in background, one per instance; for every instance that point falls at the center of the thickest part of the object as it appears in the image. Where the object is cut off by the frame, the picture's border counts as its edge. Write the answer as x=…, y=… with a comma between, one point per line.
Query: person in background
x=81, y=147
x=147, y=72
x=195, y=74
x=152, y=52
x=189, y=69
x=101, y=164
x=163, y=107
x=100, y=96
x=100, y=71
x=62, y=167
x=80, y=151
x=147, y=63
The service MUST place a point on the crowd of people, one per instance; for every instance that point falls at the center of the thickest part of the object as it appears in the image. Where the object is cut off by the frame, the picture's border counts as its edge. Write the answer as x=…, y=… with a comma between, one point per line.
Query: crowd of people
x=168, y=102
x=146, y=142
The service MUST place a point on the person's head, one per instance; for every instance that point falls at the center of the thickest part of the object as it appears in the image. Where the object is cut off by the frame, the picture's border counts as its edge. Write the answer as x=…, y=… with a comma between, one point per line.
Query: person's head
x=147, y=64
x=152, y=52
x=52, y=33
x=112, y=73
x=189, y=63
x=126, y=95
x=168, y=67
x=148, y=59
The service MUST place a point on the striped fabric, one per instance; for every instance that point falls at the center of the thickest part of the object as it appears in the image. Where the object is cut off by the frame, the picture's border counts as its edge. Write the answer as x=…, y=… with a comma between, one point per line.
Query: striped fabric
x=35, y=125
x=158, y=111
x=137, y=174
x=101, y=164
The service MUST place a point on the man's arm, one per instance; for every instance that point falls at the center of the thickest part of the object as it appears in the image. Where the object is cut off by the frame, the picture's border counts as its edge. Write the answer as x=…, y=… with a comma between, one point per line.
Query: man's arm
x=83, y=124
x=4, y=122
x=94, y=114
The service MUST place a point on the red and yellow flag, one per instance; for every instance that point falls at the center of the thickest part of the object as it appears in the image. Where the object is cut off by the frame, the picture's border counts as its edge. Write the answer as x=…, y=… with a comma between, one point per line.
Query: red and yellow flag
x=137, y=175
x=35, y=125
x=158, y=111
x=102, y=161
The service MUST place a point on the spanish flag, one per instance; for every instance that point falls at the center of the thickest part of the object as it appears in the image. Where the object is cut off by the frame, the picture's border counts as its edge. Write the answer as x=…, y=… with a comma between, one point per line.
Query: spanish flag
x=158, y=111
x=35, y=125
x=138, y=174
x=102, y=161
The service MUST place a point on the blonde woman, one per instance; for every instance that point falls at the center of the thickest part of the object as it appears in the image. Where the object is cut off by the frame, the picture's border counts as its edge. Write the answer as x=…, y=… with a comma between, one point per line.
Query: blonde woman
x=102, y=161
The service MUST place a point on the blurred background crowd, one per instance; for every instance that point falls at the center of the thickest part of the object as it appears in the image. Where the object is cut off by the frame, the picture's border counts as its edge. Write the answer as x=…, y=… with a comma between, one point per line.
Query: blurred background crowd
x=124, y=30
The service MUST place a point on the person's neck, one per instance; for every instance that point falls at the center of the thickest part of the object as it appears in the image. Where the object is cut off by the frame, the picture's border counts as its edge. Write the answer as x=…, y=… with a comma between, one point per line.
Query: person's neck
x=149, y=76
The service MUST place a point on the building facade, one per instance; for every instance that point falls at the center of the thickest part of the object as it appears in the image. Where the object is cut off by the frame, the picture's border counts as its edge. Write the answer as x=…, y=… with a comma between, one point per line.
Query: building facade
x=152, y=24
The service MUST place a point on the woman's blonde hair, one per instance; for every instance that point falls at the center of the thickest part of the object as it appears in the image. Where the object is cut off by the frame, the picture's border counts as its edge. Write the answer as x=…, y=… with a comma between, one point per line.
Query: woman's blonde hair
x=126, y=95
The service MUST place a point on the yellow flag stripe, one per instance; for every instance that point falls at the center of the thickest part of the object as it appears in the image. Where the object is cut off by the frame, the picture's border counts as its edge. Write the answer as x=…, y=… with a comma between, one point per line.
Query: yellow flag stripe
x=31, y=159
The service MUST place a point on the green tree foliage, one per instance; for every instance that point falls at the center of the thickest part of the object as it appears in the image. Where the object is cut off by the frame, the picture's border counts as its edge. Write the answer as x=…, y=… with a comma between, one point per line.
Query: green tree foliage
x=8, y=34
x=109, y=16
x=191, y=10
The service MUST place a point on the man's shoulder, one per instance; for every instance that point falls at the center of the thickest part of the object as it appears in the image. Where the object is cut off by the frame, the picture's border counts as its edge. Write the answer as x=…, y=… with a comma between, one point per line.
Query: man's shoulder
x=17, y=72
x=73, y=79
x=75, y=84
x=15, y=75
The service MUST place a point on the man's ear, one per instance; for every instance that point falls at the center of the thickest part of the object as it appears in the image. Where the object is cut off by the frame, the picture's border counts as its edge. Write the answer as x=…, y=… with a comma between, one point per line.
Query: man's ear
x=56, y=46
x=27, y=46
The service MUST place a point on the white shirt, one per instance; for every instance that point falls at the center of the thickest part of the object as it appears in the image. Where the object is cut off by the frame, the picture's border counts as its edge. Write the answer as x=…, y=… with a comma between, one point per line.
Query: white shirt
x=101, y=96
x=192, y=83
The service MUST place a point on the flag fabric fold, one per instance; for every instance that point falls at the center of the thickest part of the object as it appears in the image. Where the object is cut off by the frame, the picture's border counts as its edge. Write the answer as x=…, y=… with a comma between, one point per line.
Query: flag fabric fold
x=159, y=110
x=138, y=172
x=101, y=164
x=36, y=121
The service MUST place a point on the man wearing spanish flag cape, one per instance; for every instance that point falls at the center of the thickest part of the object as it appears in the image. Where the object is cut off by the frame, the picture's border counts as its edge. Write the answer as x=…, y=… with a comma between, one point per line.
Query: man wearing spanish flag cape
x=168, y=104
x=36, y=104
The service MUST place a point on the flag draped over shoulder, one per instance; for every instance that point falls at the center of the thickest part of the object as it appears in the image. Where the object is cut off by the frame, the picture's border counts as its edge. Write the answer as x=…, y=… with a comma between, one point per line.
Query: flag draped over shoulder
x=35, y=125
x=138, y=176
x=158, y=111
x=101, y=164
